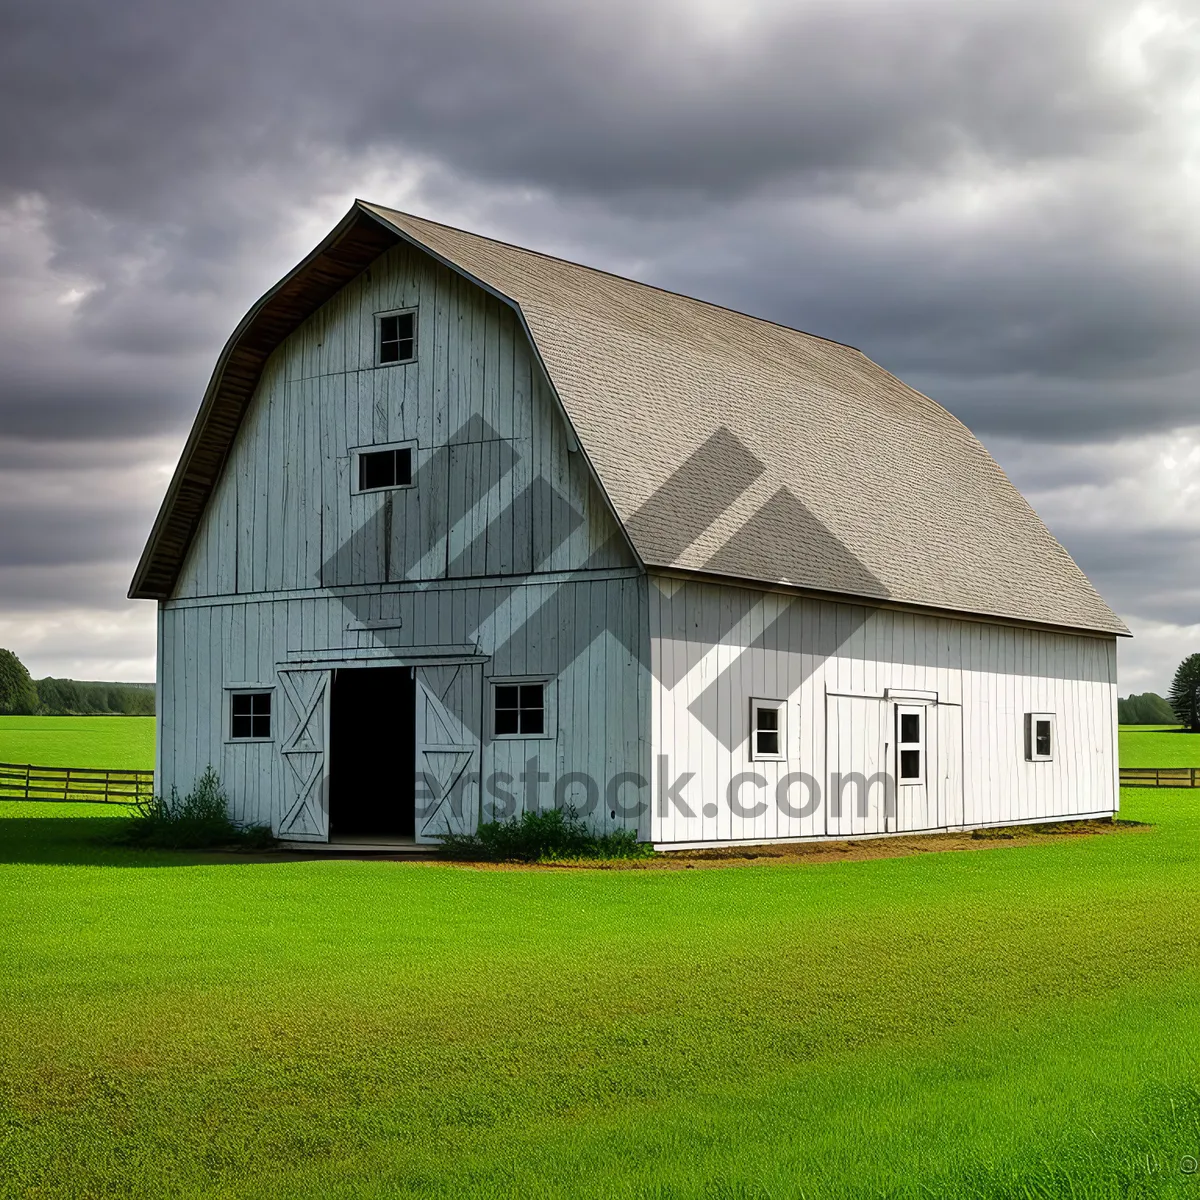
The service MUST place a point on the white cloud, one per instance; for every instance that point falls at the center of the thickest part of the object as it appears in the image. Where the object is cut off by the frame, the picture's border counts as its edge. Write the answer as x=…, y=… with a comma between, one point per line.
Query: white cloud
x=83, y=643
x=1147, y=662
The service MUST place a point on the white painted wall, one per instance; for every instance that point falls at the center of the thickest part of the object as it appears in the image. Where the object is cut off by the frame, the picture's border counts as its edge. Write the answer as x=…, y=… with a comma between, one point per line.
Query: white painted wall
x=597, y=686
x=504, y=550
x=483, y=564
x=714, y=647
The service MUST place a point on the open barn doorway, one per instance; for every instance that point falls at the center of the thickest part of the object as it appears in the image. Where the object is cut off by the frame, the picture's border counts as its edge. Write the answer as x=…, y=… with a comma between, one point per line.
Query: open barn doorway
x=372, y=754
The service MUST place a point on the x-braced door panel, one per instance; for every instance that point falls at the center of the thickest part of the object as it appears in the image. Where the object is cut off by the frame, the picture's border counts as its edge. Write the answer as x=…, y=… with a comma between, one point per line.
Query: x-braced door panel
x=449, y=716
x=305, y=751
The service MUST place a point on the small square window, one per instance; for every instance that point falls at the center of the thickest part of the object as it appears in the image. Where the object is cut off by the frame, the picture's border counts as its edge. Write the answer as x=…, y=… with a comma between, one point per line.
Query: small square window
x=1039, y=737
x=397, y=338
x=520, y=710
x=384, y=469
x=250, y=716
x=767, y=733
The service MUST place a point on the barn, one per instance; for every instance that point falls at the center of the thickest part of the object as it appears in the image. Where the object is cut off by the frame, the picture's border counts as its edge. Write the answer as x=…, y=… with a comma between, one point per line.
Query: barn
x=462, y=530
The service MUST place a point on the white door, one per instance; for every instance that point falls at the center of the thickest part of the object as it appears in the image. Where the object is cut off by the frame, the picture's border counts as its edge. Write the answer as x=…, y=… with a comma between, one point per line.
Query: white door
x=949, y=764
x=859, y=795
x=304, y=749
x=927, y=761
x=449, y=716
x=914, y=755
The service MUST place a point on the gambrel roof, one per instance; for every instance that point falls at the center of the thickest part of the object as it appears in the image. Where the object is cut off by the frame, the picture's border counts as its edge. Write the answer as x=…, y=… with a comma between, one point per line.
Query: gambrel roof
x=726, y=444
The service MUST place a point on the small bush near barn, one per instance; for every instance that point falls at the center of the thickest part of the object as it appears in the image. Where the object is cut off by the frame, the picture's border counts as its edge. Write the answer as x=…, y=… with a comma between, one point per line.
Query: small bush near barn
x=555, y=835
x=192, y=822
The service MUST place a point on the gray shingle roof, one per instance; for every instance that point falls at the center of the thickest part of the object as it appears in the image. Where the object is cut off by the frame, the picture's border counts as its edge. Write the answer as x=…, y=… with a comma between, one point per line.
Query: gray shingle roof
x=726, y=444
x=735, y=446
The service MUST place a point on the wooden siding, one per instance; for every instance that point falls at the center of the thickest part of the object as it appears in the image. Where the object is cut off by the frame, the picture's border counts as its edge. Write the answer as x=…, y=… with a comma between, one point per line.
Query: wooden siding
x=350, y=247
x=503, y=557
x=561, y=629
x=503, y=550
x=713, y=647
x=498, y=489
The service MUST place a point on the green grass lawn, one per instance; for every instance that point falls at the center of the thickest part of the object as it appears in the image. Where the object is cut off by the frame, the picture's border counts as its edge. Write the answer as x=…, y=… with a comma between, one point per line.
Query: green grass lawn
x=107, y=742
x=1158, y=746
x=1005, y=1022
x=1002, y=1022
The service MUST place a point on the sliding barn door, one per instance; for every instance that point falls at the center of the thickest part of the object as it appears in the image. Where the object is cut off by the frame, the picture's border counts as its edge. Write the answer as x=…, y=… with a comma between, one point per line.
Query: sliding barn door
x=449, y=716
x=856, y=748
x=949, y=766
x=305, y=751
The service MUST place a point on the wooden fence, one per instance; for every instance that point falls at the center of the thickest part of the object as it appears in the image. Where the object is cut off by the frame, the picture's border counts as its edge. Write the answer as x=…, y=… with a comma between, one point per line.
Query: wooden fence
x=78, y=785
x=23, y=781
x=1160, y=777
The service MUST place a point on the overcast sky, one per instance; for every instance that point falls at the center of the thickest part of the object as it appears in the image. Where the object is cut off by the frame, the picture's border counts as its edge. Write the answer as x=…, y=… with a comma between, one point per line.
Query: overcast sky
x=998, y=200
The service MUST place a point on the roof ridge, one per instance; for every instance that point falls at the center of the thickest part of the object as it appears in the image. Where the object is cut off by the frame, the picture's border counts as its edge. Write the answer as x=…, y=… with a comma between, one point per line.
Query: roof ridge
x=654, y=287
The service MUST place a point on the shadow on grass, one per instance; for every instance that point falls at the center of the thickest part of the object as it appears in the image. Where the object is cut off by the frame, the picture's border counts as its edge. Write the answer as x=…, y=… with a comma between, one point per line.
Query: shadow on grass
x=1159, y=729
x=91, y=841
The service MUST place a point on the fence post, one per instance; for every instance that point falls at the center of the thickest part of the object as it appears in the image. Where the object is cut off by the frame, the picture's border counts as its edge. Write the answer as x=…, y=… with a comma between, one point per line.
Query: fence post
x=18, y=780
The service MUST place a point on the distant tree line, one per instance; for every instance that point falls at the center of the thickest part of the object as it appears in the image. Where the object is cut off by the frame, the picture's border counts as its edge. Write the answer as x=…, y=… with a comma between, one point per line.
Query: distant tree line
x=1181, y=707
x=22, y=696
x=75, y=697
x=1146, y=709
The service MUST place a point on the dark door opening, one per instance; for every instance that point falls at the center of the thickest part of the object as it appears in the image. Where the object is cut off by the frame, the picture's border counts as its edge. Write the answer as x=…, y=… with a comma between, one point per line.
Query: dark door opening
x=372, y=753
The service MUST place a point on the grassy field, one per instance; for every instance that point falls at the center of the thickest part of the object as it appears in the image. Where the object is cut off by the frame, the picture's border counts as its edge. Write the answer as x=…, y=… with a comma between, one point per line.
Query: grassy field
x=1001, y=1022
x=108, y=742
x=1158, y=746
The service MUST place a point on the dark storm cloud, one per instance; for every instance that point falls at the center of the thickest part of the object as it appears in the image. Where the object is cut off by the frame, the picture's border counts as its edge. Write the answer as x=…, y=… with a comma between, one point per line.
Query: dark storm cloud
x=171, y=139
x=603, y=99
x=1152, y=574
x=981, y=196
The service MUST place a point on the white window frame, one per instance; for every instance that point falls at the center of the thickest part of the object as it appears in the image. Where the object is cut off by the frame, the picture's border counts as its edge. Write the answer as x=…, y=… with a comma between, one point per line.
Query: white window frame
x=549, y=707
x=356, y=471
x=378, y=349
x=1031, y=720
x=780, y=707
x=921, y=745
x=246, y=689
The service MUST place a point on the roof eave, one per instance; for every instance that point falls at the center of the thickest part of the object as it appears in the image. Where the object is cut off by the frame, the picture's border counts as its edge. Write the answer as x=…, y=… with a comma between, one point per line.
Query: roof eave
x=349, y=248
x=885, y=602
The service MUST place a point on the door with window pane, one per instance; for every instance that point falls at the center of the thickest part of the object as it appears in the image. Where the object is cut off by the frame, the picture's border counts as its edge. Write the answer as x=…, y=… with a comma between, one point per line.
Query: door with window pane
x=926, y=756
x=911, y=764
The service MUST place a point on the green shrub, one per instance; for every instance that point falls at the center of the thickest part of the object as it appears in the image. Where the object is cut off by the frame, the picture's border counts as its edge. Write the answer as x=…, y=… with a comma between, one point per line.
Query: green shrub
x=555, y=835
x=194, y=822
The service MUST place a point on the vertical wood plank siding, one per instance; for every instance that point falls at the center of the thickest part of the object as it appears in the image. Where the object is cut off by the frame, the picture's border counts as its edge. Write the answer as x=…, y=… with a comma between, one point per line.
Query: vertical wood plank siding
x=505, y=545
x=714, y=647
x=288, y=559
